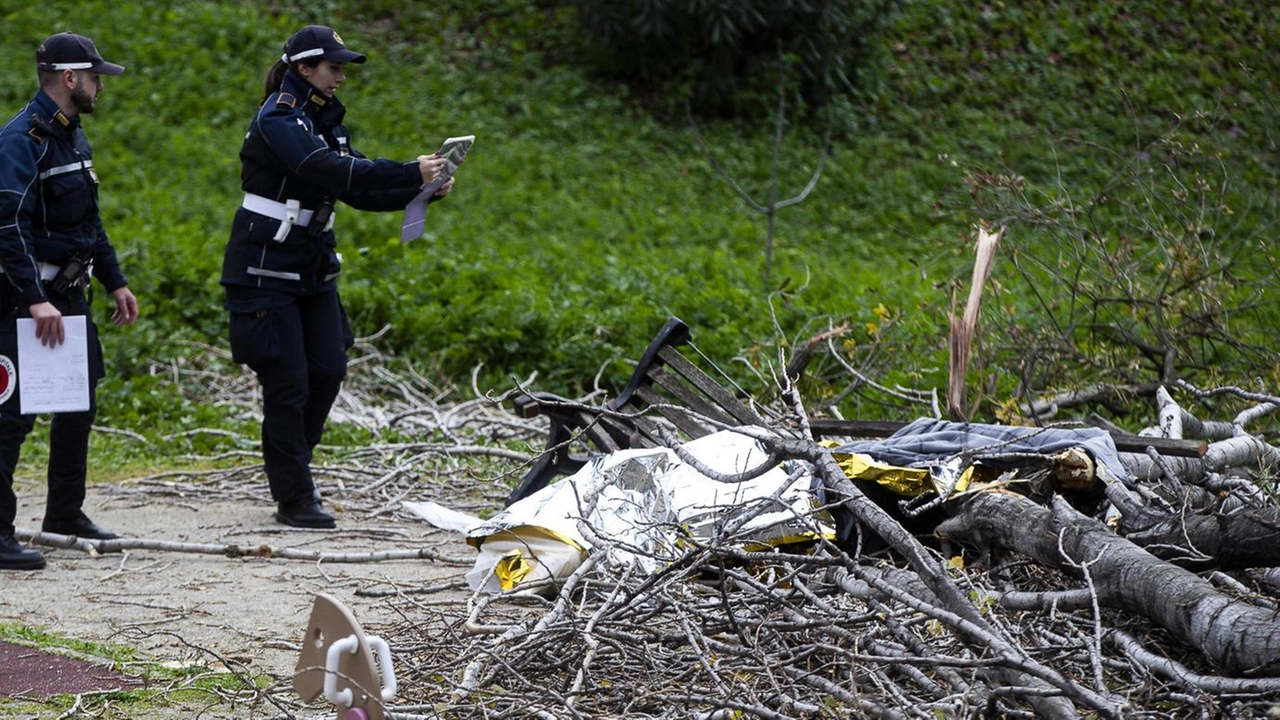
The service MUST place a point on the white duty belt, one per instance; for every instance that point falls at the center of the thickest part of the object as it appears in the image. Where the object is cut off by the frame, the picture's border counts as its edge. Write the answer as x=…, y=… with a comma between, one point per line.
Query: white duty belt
x=47, y=271
x=289, y=213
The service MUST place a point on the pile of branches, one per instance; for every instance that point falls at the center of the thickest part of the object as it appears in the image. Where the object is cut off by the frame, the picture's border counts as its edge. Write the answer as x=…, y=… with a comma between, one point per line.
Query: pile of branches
x=1159, y=600
x=1120, y=608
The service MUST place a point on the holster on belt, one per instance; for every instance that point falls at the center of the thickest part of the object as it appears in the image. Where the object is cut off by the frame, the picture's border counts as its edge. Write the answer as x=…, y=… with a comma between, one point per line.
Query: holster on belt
x=74, y=273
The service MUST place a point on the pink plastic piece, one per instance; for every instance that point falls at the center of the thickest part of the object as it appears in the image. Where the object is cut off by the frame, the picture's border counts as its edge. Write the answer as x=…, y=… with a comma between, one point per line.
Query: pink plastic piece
x=356, y=714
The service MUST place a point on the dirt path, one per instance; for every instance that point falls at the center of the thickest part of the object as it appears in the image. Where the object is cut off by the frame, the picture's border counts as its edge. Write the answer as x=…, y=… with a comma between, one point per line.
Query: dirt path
x=180, y=608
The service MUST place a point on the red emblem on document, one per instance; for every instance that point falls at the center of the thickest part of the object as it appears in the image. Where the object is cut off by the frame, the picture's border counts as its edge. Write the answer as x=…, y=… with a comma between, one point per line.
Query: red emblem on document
x=8, y=378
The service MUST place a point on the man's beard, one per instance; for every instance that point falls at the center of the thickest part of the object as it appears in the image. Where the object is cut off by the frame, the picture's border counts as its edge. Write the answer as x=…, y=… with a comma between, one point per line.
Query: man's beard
x=81, y=98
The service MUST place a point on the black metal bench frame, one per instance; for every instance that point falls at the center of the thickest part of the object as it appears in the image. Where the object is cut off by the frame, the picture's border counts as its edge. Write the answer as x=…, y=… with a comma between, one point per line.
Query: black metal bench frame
x=666, y=391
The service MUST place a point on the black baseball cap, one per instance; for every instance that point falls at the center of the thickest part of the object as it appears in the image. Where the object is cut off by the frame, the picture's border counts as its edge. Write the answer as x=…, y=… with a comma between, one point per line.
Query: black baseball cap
x=319, y=41
x=68, y=51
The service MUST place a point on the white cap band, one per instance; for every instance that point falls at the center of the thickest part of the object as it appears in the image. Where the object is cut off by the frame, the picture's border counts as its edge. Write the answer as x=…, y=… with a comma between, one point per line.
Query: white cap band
x=304, y=54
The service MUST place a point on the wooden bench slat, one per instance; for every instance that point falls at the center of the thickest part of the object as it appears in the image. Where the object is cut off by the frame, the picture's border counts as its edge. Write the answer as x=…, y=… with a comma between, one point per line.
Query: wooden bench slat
x=709, y=387
x=685, y=395
x=687, y=424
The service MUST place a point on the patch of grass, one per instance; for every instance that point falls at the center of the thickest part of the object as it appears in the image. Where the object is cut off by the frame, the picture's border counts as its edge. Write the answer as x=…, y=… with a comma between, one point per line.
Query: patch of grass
x=116, y=655
x=168, y=686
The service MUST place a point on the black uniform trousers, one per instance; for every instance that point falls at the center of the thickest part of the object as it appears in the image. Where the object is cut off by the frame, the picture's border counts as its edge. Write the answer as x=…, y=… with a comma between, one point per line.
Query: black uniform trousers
x=297, y=346
x=69, y=431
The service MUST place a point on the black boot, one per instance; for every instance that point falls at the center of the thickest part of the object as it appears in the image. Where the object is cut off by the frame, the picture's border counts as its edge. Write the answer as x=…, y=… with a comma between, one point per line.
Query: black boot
x=15, y=557
x=304, y=514
x=79, y=525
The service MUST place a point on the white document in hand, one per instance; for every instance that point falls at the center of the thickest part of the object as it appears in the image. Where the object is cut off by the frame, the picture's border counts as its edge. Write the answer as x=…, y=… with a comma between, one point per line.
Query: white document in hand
x=53, y=378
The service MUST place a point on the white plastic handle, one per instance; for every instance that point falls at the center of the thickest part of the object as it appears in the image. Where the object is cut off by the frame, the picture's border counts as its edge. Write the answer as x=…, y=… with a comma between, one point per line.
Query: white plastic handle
x=380, y=646
x=351, y=644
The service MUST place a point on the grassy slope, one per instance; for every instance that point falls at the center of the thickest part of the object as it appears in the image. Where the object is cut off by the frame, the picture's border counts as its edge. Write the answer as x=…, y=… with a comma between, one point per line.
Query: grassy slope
x=579, y=222
x=1073, y=98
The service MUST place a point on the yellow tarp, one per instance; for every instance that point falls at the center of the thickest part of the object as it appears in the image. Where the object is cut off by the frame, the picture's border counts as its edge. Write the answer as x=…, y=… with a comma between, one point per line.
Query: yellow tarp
x=908, y=482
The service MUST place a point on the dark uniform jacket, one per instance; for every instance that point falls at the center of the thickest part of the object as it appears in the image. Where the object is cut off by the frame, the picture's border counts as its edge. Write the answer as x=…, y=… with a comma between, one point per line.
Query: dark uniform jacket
x=298, y=149
x=48, y=202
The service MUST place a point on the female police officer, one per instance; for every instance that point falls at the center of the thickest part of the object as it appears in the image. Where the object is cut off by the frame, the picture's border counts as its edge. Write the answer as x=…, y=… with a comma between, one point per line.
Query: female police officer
x=279, y=269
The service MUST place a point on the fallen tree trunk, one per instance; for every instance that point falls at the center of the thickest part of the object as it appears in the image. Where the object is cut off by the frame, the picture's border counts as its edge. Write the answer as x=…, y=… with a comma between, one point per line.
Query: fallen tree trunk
x=1239, y=451
x=1236, y=637
x=1021, y=670
x=1246, y=538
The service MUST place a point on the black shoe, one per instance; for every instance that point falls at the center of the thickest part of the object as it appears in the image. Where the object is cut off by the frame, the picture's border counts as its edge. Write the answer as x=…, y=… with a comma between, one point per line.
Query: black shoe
x=80, y=526
x=304, y=514
x=15, y=557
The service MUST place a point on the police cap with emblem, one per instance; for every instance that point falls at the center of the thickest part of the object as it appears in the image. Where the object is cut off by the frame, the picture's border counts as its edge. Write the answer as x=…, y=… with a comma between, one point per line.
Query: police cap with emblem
x=319, y=41
x=68, y=51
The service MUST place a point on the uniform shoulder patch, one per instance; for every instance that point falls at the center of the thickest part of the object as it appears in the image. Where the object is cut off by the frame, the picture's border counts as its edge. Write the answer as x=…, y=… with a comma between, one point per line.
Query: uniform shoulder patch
x=39, y=136
x=8, y=379
x=287, y=100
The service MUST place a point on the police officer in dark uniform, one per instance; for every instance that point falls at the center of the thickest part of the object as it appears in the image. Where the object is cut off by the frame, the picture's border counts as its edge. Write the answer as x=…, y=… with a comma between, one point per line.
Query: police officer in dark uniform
x=51, y=240
x=280, y=266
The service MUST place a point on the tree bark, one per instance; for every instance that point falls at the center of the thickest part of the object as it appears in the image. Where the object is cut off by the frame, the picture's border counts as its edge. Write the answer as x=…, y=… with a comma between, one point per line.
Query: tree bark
x=969, y=623
x=1236, y=637
x=1239, y=451
x=1243, y=539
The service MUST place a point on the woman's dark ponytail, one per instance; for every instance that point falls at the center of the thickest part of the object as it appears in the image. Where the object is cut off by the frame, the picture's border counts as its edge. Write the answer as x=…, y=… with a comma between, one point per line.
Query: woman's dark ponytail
x=275, y=75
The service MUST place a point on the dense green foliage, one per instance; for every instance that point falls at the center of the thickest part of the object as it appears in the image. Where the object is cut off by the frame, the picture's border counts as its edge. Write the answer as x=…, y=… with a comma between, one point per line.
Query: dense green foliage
x=580, y=221
x=727, y=53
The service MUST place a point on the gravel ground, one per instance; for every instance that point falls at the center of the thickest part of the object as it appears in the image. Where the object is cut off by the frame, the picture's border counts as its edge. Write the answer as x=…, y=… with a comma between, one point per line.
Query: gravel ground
x=197, y=610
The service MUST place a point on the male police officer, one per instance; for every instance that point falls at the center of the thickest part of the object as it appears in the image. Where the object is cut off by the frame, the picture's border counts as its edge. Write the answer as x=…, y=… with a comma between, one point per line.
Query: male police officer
x=51, y=237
